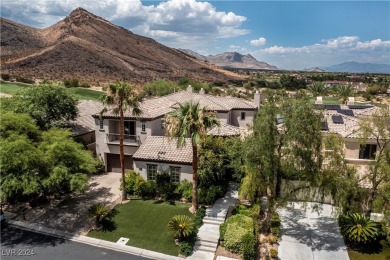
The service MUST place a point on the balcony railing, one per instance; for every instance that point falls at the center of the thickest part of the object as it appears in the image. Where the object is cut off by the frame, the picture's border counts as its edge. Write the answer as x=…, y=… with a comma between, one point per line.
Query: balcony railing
x=127, y=139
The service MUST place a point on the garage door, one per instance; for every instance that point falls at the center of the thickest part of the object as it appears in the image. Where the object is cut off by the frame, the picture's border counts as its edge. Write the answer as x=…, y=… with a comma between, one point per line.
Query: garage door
x=114, y=163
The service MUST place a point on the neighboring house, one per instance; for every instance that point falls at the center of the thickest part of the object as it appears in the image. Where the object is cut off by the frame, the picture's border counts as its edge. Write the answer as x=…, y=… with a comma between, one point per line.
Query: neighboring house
x=83, y=128
x=141, y=132
x=344, y=121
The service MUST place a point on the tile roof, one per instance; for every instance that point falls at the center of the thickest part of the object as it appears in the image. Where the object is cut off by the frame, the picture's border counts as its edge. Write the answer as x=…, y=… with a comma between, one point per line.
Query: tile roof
x=84, y=122
x=225, y=130
x=159, y=106
x=160, y=148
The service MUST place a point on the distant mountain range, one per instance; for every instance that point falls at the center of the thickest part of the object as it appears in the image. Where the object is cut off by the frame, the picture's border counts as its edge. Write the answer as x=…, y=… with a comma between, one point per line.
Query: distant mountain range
x=93, y=49
x=232, y=60
x=357, y=67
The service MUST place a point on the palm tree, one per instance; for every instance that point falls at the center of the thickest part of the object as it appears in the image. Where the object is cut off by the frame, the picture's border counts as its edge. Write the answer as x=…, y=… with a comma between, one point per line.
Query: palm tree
x=318, y=89
x=358, y=228
x=119, y=97
x=97, y=211
x=344, y=91
x=190, y=120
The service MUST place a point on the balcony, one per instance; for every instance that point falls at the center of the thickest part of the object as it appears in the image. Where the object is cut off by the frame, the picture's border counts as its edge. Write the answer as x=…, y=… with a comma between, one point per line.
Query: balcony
x=112, y=138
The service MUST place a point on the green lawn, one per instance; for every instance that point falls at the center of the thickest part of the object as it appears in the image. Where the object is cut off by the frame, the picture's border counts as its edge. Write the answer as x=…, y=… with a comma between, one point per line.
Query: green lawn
x=145, y=224
x=82, y=93
x=383, y=255
x=328, y=100
x=11, y=88
x=87, y=94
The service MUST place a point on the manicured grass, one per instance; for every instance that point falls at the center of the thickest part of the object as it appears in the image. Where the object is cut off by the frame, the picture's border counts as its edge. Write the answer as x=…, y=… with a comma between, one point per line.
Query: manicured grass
x=87, y=94
x=11, y=87
x=144, y=223
x=383, y=254
x=329, y=100
x=82, y=93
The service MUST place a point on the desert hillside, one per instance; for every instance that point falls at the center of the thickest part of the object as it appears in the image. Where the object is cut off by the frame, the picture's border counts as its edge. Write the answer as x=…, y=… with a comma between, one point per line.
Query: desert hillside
x=90, y=48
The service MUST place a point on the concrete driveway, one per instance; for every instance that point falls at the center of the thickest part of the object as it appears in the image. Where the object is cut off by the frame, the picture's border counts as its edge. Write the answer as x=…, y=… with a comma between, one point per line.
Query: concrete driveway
x=71, y=214
x=310, y=232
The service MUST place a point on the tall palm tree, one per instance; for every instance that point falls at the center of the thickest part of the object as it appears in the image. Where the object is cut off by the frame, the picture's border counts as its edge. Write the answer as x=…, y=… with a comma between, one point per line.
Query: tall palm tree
x=318, y=89
x=118, y=98
x=190, y=120
x=344, y=91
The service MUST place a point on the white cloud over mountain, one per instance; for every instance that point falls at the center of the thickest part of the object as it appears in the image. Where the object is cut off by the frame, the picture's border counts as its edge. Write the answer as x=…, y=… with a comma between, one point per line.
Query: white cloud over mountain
x=258, y=42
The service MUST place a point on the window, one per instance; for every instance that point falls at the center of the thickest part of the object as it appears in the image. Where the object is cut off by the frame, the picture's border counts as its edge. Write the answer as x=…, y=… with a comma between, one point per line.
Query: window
x=175, y=174
x=367, y=151
x=143, y=126
x=101, y=124
x=152, y=172
x=242, y=115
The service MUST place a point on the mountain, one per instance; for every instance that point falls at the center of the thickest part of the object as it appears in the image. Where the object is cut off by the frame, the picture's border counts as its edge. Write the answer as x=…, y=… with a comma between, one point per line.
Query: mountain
x=316, y=69
x=232, y=60
x=90, y=48
x=357, y=67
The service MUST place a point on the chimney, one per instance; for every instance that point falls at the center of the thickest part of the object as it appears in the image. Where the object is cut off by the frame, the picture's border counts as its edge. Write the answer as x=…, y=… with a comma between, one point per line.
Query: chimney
x=257, y=100
x=201, y=92
x=351, y=101
x=189, y=88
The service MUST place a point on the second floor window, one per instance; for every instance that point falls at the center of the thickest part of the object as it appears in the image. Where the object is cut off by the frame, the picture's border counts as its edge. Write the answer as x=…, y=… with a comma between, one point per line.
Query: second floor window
x=101, y=125
x=152, y=172
x=143, y=126
x=367, y=151
x=242, y=115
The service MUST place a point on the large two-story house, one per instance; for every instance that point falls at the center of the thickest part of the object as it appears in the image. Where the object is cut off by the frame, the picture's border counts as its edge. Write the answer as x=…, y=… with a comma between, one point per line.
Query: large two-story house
x=146, y=148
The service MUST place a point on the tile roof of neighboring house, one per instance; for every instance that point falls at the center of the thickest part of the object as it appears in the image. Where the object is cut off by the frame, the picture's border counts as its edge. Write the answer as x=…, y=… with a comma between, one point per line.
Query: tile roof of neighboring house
x=225, y=130
x=84, y=122
x=159, y=106
x=160, y=148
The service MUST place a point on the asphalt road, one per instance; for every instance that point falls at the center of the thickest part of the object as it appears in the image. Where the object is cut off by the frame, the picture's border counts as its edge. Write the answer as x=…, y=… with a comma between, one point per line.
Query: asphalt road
x=21, y=244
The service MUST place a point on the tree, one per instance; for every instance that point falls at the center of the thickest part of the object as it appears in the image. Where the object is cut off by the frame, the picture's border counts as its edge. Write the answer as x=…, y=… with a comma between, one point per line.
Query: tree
x=119, y=97
x=378, y=129
x=358, y=228
x=318, y=89
x=291, y=82
x=96, y=212
x=49, y=105
x=190, y=120
x=344, y=91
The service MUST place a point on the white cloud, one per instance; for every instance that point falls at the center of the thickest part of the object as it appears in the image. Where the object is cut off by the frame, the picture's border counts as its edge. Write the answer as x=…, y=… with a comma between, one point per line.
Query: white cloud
x=176, y=21
x=237, y=48
x=258, y=42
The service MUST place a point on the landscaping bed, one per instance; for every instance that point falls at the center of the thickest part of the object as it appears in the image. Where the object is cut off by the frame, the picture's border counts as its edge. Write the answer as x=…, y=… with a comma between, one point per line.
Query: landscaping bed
x=144, y=222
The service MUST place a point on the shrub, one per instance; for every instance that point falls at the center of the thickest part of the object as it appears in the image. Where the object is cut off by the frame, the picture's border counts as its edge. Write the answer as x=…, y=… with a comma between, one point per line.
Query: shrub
x=24, y=80
x=131, y=178
x=275, y=231
x=272, y=239
x=248, y=247
x=275, y=220
x=185, y=248
x=165, y=187
x=97, y=211
x=184, y=190
x=273, y=253
x=222, y=231
x=180, y=226
x=84, y=84
x=71, y=83
x=5, y=77
x=237, y=227
x=198, y=217
x=239, y=208
x=358, y=228
x=209, y=195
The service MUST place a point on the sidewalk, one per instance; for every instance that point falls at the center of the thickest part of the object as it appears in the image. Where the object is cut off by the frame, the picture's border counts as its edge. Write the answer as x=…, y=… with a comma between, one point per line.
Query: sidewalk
x=91, y=241
x=208, y=235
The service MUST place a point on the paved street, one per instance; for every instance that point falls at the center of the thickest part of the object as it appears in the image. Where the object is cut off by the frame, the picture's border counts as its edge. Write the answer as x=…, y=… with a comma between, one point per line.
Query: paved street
x=309, y=234
x=20, y=244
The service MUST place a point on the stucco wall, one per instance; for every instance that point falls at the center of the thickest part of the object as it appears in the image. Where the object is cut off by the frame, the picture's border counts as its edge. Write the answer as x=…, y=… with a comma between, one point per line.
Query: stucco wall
x=223, y=117
x=156, y=126
x=236, y=118
x=141, y=168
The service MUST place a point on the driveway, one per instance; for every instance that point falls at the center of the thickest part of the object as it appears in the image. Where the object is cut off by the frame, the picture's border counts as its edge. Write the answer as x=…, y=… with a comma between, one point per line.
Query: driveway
x=71, y=214
x=310, y=232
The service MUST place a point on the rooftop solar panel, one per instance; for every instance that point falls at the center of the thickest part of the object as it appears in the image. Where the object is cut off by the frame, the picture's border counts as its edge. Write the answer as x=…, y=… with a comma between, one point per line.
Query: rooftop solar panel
x=337, y=119
x=332, y=107
x=359, y=106
x=347, y=112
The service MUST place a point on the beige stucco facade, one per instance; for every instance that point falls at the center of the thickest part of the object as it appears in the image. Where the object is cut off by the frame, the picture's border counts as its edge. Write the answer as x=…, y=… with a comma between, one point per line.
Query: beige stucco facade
x=185, y=169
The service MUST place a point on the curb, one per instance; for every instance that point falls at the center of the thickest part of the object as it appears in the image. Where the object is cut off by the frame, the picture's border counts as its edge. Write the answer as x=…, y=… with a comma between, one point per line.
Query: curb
x=92, y=241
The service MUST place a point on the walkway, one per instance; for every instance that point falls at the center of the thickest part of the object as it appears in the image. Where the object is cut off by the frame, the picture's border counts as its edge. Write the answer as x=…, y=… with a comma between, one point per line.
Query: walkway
x=309, y=234
x=208, y=235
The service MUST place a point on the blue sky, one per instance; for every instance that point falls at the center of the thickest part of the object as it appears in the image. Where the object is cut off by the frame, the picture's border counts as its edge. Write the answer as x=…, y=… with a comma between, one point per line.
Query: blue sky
x=288, y=34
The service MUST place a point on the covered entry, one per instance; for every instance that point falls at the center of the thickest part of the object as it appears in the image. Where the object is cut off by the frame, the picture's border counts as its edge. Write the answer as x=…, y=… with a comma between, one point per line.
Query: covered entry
x=114, y=163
